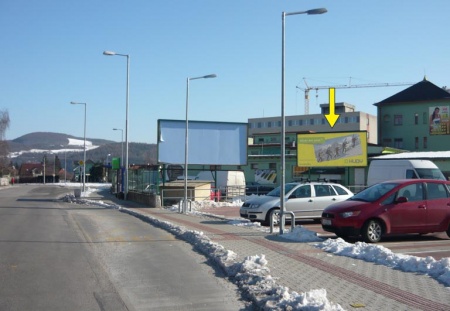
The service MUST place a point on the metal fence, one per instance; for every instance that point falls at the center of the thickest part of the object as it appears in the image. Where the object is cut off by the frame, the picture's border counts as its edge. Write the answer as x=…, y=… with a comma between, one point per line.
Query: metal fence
x=149, y=180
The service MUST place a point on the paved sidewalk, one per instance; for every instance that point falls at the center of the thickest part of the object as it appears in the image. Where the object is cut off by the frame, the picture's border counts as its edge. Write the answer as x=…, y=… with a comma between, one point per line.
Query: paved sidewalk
x=352, y=283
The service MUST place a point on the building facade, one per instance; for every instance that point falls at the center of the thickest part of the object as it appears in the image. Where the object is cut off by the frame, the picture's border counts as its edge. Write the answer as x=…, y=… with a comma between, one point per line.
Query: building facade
x=416, y=119
x=264, y=145
x=349, y=121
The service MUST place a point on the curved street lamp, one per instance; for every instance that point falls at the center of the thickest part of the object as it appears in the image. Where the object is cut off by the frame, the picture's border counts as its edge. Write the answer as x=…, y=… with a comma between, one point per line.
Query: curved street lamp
x=283, y=131
x=111, y=53
x=186, y=147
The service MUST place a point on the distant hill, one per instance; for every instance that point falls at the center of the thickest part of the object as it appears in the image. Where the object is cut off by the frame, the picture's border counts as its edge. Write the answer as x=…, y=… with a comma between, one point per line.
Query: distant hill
x=52, y=139
x=69, y=149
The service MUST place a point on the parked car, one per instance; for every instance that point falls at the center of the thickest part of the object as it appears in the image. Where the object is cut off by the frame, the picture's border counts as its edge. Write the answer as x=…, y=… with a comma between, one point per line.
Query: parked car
x=306, y=200
x=257, y=188
x=392, y=207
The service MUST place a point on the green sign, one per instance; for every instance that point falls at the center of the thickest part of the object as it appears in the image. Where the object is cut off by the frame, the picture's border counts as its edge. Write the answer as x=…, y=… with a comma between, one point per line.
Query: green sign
x=115, y=163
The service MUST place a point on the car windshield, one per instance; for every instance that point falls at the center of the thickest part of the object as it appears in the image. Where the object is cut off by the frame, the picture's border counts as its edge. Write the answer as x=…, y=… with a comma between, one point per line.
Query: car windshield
x=276, y=192
x=430, y=173
x=373, y=193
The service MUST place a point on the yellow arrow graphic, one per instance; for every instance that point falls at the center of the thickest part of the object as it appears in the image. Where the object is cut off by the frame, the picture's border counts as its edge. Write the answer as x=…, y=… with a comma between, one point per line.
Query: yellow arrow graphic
x=332, y=117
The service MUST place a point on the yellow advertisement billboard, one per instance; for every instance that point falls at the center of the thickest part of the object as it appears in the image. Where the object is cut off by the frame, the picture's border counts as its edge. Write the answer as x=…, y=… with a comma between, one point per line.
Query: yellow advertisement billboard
x=332, y=149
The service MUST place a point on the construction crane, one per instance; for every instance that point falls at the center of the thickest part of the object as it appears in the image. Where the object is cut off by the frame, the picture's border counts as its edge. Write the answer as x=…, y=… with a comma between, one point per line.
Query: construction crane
x=342, y=86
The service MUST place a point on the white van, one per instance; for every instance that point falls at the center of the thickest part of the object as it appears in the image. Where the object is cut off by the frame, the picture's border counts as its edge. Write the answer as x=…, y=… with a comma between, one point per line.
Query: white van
x=230, y=183
x=382, y=170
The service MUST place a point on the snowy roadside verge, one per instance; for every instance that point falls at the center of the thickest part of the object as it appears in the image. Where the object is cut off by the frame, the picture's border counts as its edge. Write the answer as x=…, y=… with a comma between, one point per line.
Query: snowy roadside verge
x=252, y=275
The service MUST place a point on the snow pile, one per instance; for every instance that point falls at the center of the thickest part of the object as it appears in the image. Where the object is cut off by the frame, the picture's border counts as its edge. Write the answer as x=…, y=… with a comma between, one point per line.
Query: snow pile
x=302, y=234
x=378, y=254
x=255, y=279
x=194, y=206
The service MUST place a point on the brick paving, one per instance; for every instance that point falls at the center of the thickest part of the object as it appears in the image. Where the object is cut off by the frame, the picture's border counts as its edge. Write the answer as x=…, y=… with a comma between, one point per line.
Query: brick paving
x=354, y=284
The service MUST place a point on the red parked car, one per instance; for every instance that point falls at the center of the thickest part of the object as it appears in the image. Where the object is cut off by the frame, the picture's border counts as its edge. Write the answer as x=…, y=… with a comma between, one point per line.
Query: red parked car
x=392, y=207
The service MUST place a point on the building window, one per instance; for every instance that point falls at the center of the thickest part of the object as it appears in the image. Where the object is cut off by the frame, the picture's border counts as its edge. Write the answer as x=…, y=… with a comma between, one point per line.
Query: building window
x=354, y=119
x=425, y=143
x=273, y=139
x=311, y=121
x=260, y=125
x=323, y=121
x=416, y=118
x=398, y=119
x=300, y=122
x=387, y=142
x=272, y=166
x=254, y=166
x=279, y=123
x=416, y=142
x=291, y=123
x=398, y=143
x=261, y=140
x=386, y=118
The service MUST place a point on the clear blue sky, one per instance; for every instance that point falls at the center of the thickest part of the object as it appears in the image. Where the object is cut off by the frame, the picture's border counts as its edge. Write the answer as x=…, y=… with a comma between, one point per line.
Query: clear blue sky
x=51, y=55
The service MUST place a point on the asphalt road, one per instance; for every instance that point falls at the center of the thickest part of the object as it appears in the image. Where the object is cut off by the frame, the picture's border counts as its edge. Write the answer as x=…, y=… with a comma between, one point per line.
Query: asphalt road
x=64, y=256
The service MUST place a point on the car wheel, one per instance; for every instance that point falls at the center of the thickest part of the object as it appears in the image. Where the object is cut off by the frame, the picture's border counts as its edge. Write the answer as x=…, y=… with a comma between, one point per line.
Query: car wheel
x=275, y=215
x=372, y=231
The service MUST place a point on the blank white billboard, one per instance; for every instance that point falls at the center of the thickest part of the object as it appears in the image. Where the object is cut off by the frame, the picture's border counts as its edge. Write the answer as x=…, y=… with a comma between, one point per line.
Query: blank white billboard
x=209, y=143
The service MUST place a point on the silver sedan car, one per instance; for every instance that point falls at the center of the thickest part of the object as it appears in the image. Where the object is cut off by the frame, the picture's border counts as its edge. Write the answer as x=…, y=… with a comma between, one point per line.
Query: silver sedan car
x=305, y=200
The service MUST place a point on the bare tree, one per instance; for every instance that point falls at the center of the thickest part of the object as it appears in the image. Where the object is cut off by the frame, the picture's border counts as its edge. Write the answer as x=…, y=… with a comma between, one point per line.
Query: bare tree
x=4, y=125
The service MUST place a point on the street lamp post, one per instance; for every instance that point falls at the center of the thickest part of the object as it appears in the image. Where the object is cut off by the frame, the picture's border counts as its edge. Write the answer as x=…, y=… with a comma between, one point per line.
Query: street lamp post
x=186, y=146
x=110, y=53
x=44, y=167
x=54, y=169
x=114, y=129
x=283, y=131
x=107, y=166
x=65, y=166
x=84, y=146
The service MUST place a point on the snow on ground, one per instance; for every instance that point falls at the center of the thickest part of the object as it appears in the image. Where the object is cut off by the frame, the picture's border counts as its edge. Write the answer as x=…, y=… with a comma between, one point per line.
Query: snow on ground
x=78, y=142
x=253, y=275
x=72, y=142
